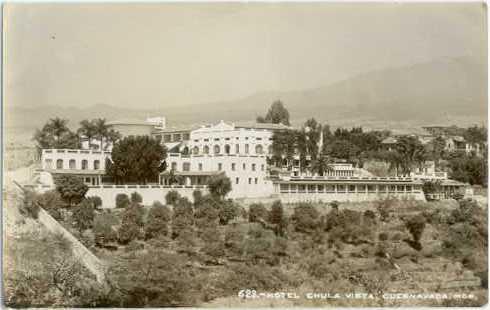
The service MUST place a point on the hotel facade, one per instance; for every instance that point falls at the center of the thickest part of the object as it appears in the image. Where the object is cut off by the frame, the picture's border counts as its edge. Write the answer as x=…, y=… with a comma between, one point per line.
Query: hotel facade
x=239, y=151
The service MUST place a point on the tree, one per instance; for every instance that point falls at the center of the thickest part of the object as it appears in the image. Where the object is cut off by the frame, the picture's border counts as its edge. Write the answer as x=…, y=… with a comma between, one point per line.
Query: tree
x=87, y=129
x=131, y=224
x=277, y=114
x=112, y=137
x=101, y=130
x=122, y=201
x=411, y=152
x=227, y=211
x=83, y=215
x=416, y=226
x=158, y=219
x=71, y=188
x=322, y=165
x=56, y=134
x=183, y=217
x=136, y=198
x=136, y=159
x=172, y=197
x=438, y=148
x=276, y=217
x=219, y=186
x=257, y=213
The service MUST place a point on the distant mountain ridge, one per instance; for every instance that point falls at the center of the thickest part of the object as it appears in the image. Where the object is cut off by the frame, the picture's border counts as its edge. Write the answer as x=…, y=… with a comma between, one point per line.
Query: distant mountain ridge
x=432, y=92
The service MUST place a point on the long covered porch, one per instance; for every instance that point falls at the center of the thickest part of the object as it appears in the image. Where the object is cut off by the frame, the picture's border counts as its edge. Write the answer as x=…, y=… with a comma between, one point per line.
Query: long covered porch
x=187, y=178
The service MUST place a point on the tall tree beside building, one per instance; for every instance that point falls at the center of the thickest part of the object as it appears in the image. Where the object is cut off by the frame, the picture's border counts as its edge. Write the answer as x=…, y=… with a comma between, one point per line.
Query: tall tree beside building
x=101, y=130
x=277, y=114
x=87, y=130
x=136, y=160
x=219, y=186
x=411, y=153
x=55, y=134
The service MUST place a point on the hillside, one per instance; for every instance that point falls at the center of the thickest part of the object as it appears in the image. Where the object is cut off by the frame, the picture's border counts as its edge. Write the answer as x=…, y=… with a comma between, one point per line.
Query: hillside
x=449, y=90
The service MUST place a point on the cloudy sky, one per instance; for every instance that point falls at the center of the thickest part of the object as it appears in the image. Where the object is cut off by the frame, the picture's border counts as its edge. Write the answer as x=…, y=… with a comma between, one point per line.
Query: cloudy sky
x=156, y=55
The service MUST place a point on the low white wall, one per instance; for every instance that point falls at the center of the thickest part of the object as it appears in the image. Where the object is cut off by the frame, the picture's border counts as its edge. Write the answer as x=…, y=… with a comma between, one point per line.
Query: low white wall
x=346, y=197
x=149, y=193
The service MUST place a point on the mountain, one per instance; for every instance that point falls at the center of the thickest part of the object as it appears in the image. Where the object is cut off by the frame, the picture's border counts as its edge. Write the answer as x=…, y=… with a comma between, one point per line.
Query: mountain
x=443, y=91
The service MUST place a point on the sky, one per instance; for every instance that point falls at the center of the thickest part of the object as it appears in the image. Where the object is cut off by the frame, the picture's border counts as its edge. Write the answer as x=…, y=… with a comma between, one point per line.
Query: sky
x=157, y=55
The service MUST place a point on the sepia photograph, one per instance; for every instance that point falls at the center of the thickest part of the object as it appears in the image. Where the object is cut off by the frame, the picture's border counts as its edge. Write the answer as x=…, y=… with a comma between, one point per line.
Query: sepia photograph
x=244, y=154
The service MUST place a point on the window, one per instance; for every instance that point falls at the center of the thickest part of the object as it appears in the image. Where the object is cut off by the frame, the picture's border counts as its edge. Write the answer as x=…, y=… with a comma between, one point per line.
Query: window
x=227, y=139
x=59, y=164
x=258, y=139
x=186, y=166
x=227, y=149
x=216, y=139
x=84, y=164
x=269, y=149
x=220, y=166
x=237, y=180
x=96, y=164
x=249, y=180
x=382, y=188
x=173, y=166
x=177, y=137
x=237, y=148
x=216, y=149
x=233, y=167
x=246, y=148
x=259, y=149
x=352, y=188
x=206, y=140
x=167, y=138
x=48, y=163
x=195, y=150
x=72, y=164
x=256, y=180
x=253, y=167
x=87, y=180
x=205, y=150
x=262, y=167
x=196, y=140
x=244, y=166
x=186, y=136
x=200, y=166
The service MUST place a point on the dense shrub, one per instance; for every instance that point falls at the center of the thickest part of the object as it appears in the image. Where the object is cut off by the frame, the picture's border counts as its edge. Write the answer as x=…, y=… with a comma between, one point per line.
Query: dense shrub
x=277, y=217
x=122, y=201
x=51, y=202
x=96, y=201
x=159, y=217
x=305, y=218
x=102, y=228
x=416, y=226
x=257, y=213
x=71, y=188
x=131, y=224
x=172, y=197
x=136, y=198
x=83, y=215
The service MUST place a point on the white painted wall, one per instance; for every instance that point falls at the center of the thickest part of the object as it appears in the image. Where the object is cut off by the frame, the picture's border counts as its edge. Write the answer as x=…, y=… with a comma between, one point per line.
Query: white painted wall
x=77, y=155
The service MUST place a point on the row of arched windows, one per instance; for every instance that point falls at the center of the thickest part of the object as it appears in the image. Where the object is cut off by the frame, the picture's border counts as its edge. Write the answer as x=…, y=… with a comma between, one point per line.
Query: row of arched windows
x=72, y=164
x=259, y=149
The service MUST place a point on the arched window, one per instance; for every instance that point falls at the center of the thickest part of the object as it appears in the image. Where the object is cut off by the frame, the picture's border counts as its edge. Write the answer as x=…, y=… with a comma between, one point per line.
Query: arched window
x=186, y=166
x=216, y=149
x=96, y=164
x=84, y=164
x=227, y=149
x=246, y=149
x=237, y=148
x=195, y=150
x=205, y=150
x=59, y=164
x=72, y=164
x=259, y=149
x=174, y=166
x=185, y=151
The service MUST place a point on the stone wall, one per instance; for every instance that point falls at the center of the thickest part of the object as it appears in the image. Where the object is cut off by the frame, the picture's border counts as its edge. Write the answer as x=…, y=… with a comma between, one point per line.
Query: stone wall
x=150, y=193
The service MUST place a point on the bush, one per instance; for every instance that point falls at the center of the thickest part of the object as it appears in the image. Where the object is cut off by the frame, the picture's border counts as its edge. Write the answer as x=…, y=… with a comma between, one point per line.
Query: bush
x=136, y=198
x=132, y=222
x=306, y=218
x=71, y=188
x=29, y=205
x=227, y=211
x=122, y=201
x=234, y=239
x=257, y=212
x=83, y=215
x=416, y=226
x=219, y=186
x=51, y=202
x=96, y=201
x=102, y=228
x=158, y=218
x=172, y=197
x=277, y=217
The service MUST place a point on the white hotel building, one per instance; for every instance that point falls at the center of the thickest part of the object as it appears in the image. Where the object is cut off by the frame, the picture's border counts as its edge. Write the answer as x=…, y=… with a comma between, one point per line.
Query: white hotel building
x=240, y=151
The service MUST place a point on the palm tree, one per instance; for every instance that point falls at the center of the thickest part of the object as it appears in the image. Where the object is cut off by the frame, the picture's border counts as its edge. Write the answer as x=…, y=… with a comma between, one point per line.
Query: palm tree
x=58, y=127
x=101, y=130
x=321, y=165
x=87, y=129
x=112, y=137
